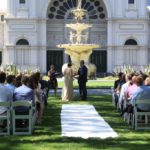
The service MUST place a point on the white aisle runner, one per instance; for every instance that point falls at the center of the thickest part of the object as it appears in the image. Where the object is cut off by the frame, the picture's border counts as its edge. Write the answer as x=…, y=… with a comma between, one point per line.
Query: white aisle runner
x=84, y=121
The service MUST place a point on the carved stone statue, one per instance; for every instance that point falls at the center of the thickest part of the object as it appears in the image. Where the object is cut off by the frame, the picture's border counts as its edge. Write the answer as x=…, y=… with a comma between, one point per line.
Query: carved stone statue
x=79, y=4
x=71, y=37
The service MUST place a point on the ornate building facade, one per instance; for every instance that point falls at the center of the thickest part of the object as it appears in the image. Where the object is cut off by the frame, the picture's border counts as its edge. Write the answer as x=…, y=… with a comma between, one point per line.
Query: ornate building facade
x=31, y=29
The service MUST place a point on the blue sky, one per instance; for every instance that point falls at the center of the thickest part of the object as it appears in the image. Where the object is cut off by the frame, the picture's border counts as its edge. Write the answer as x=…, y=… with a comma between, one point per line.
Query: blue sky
x=148, y=1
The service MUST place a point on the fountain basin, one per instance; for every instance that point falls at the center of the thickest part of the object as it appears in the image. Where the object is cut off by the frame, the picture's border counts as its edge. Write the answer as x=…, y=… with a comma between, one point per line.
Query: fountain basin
x=78, y=26
x=79, y=48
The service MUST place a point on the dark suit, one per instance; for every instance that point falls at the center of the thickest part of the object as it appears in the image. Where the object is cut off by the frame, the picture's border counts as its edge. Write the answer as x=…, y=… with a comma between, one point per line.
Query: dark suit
x=82, y=72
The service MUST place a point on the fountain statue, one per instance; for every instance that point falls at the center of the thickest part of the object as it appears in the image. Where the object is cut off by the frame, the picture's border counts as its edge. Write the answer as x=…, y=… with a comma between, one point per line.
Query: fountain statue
x=77, y=49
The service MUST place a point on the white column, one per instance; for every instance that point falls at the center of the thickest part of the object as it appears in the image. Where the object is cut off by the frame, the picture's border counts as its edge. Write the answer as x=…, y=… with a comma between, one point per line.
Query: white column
x=43, y=59
x=118, y=8
x=145, y=52
x=33, y=8
x=11, y=55
x=109, y=44
x=142, y=8
x=4, y=56
x=43, y=43
x=10, y=6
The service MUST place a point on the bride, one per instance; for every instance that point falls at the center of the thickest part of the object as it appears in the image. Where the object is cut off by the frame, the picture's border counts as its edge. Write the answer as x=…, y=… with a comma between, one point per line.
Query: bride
x=67, y=91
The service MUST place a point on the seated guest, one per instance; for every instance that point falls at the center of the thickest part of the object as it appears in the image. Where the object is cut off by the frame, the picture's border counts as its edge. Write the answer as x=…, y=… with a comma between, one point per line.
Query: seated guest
x=5, y=94
x=18, y=80
x=142, y=92
x=38, y=97
x=24, y=93
x=131, y=88
x=147, y=81
x=118, y=81
x=124, y=88
x=45, y=89
x=117, y=86
x=11, y=84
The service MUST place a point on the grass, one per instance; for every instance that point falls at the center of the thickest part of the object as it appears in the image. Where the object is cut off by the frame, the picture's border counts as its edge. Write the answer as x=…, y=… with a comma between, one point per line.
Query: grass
x=92, y=84
x=48, y=135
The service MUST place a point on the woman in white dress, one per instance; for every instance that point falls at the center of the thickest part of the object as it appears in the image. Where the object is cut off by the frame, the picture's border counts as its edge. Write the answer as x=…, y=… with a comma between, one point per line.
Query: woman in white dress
x=67, y=91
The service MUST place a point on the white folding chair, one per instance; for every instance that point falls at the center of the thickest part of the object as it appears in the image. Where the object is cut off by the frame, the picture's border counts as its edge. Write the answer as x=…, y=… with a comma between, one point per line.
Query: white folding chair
x=5, y=117
x=30, y=116
x=140, y=119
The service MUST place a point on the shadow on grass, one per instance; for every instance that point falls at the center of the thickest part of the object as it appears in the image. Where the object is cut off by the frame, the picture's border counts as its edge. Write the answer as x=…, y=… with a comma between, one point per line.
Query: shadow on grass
x=48, y=135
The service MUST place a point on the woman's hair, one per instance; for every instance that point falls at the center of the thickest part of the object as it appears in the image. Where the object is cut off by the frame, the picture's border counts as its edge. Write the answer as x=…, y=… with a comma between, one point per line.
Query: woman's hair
x=33, y=82
x=2, y=77
x=18, y=81
x=10, y=78
x=25, y=79
x=139, y=80
x=36, y=76
x=69, y=64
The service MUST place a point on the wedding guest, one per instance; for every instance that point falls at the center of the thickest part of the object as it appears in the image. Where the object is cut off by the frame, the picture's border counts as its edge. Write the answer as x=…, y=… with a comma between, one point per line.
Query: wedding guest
x=38, y=97
x=147, y=81
x=24, y=93
x=142, y=92
x=11, y=81
x=5, y=94
x=122, y=99
x=18, y=80
x=117, y=88
x=131, y=88
x=52, y=78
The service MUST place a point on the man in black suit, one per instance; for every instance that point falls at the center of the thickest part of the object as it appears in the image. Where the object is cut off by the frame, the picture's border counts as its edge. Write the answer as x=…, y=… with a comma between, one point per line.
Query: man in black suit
x=82, y=72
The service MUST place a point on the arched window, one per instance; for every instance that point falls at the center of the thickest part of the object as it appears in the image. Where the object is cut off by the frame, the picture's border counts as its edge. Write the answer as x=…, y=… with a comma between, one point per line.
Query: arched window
x=22, y=52
x=59, y=9
x=131, y=42
x=131, y=1
x=22, y=42
x=22, y=1
x=131, y=52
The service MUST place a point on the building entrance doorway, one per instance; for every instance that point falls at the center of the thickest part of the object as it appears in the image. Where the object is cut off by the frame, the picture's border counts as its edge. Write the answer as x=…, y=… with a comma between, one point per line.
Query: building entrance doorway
x=55, y=58
x=99, y=58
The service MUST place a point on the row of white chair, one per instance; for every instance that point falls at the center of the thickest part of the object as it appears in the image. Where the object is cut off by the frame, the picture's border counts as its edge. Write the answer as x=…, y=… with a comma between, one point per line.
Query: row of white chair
x=136, y=118
x=11, y=118
x=140, y=119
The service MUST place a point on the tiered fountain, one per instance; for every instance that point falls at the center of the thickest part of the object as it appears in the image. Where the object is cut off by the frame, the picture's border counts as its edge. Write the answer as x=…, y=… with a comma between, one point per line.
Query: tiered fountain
x=77, y=50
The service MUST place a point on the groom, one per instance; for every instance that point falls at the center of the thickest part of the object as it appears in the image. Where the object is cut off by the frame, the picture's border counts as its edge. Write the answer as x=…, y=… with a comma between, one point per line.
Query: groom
x=82, y=79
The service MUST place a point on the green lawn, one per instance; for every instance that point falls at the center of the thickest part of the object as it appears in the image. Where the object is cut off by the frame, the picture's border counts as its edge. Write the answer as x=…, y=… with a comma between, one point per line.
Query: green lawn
x=48, y=135
x=91, y=84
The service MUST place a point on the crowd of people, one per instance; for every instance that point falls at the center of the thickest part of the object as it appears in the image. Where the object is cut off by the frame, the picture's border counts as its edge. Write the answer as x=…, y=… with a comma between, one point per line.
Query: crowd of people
x=24, y=88
x=128, y=88
x=34, y=89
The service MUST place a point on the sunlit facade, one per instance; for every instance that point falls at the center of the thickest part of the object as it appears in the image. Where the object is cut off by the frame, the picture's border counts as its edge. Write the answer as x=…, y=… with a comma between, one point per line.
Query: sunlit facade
x=31, y=29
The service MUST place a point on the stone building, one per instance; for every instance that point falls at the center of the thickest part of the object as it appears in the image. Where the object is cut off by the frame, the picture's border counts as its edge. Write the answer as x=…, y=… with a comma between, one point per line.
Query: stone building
x=31, y=29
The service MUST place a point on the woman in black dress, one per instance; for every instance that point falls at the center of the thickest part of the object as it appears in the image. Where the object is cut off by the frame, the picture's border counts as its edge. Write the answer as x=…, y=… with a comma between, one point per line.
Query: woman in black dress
x=52, y=79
